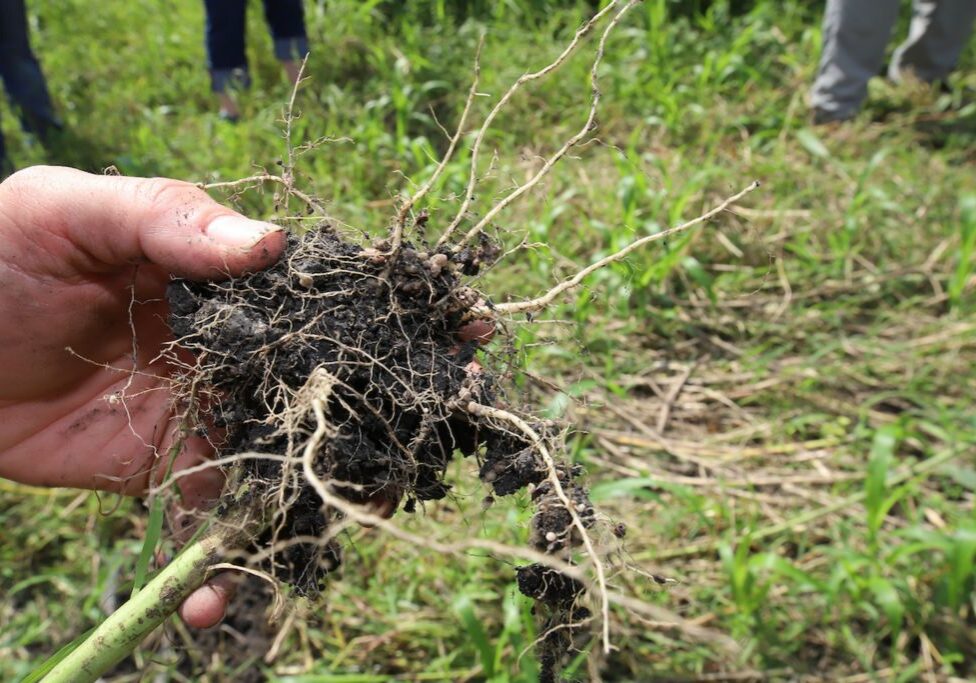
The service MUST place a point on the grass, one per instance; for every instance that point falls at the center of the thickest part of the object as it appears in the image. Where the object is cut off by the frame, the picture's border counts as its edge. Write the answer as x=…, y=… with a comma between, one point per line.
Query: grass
x=779, y=406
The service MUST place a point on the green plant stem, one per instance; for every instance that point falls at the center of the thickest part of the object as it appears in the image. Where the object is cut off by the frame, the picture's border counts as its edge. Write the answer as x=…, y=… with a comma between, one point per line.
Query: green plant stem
x=120, y=633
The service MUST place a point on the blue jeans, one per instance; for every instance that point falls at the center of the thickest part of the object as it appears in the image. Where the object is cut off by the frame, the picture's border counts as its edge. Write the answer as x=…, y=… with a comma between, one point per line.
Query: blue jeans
x=226, y=27
x=21, y=74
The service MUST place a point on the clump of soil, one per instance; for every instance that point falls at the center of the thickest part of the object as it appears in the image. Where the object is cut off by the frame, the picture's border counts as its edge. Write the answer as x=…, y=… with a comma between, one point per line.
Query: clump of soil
x=373, y=336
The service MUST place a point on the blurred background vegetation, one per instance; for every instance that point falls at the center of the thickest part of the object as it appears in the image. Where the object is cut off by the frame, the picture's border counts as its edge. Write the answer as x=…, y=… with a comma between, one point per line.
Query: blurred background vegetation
x=779, y=406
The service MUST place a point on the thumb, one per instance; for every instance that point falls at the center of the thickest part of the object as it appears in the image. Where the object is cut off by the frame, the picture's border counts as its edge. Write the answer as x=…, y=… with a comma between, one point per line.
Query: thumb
x=108, y=221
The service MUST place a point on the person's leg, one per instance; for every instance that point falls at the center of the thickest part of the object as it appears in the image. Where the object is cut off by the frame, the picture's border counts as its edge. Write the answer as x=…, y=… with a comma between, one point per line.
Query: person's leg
x=286, y=19
x=937, y=36
x=6, y=166
x=21, y=73
x=226, y=56
x=855, y=33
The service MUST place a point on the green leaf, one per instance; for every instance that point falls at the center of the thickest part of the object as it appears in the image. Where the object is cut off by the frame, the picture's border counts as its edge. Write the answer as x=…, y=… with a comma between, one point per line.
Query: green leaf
x=966, y=252
x=332, y=678
x=464, y=609
x=154, y=531
x=634, y=487
x=45, y=667
x=780, y=566
x=557, y=406
x=875, y=485
x=154, y=527
x=811, y=143
x=700, y=276
x=964, y=476
x=888, y=599
x=962, y=567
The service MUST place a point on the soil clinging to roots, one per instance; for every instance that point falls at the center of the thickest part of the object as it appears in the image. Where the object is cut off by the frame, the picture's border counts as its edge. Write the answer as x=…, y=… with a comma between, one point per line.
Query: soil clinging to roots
x=373, y=337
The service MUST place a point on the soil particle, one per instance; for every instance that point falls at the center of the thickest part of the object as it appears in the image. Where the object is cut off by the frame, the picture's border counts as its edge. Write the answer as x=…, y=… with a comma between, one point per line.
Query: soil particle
x=552, y=525
x=548, y=585
x=511, y=464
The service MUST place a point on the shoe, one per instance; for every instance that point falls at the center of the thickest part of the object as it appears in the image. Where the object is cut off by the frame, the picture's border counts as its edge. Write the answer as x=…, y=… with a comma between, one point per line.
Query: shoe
x=229, y=111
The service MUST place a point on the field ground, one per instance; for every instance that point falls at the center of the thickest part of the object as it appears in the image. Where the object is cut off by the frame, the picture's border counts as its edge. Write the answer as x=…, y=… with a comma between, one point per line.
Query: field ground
x=779, y=405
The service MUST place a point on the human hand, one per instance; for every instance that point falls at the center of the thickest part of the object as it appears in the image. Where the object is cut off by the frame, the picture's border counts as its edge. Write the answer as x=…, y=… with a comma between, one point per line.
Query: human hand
x=84, y=397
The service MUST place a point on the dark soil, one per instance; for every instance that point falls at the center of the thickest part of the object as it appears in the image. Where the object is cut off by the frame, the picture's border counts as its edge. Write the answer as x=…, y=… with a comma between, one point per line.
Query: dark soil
x=234, y=651
x=375, y=337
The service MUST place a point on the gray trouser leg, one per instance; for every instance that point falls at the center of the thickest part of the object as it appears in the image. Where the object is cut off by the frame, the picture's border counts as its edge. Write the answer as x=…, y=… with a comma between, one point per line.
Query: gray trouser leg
x=855, y=34
x=937, y=36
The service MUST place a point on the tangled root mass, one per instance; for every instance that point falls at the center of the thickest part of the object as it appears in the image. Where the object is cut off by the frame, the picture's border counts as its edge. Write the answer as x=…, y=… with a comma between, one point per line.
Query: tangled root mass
x=374, y=337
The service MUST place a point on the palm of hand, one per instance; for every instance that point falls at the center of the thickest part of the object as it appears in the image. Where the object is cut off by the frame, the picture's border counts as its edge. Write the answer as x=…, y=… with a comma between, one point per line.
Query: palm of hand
x=85, y=400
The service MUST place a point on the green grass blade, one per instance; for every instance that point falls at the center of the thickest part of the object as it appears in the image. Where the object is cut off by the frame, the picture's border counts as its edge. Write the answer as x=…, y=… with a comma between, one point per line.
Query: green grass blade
x=45, y=667
x=154, y=526
x=464, y=609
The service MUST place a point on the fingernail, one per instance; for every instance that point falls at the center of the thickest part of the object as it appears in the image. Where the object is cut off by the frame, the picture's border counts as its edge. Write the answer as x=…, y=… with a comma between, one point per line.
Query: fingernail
x=238, y=232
